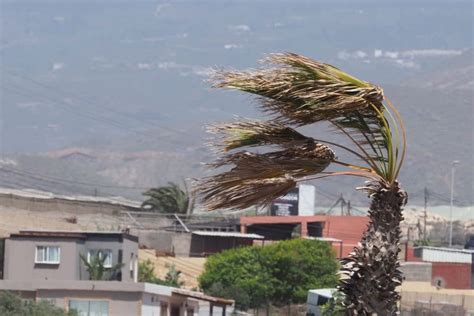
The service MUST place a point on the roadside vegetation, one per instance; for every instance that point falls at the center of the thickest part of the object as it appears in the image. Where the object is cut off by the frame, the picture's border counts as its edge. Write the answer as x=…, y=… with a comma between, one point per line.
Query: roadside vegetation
x=279, y=274
x=146, y=273
x=13, y=305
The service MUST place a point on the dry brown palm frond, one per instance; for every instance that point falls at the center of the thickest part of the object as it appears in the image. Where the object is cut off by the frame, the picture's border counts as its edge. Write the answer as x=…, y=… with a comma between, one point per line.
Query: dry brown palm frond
x=298, y=161
x=235, y=193
x=298, y=91
x=333, y=107
x=260, y=171
x=301, y=90
x=255, y=133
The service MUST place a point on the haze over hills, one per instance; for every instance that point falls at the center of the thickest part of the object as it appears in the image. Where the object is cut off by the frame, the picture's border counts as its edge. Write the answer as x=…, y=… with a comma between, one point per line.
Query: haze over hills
x=114, y=93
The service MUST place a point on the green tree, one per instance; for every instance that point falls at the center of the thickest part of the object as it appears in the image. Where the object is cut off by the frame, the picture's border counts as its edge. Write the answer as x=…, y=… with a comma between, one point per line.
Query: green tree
x=280, y=274
x=238, y=271
x=13, y=305
x=146, y=272
x=95, y=266
x=299, y=91
x=168, y=199
x=299, y=265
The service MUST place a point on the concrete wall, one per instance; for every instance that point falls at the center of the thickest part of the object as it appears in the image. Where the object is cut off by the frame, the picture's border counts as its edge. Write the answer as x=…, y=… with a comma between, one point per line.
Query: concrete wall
x=20, y=259
x=417, y=271
x=164, y=241
x=130, y=260
x=63, y=205
x=158, y=240
x=181, y=244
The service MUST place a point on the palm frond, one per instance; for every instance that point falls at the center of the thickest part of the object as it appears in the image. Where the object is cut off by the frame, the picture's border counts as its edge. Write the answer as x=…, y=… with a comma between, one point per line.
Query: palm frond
x=255, y=133
x=168, y=199
x=228, y=190
x=298, y=91
x=302, y=91
x=259, y=172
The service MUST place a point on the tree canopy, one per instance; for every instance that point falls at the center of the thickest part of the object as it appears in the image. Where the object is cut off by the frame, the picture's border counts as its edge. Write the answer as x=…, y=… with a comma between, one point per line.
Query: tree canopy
x=277, y=274
x=168, y=199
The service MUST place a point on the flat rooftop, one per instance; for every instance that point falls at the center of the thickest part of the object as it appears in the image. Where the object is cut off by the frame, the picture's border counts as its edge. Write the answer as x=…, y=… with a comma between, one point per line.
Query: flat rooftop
x=71, y=234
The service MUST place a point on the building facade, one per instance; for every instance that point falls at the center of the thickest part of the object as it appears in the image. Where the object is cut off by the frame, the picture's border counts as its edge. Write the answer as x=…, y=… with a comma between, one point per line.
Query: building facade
x=44, y=255
x=344, y=232
x=52, y=265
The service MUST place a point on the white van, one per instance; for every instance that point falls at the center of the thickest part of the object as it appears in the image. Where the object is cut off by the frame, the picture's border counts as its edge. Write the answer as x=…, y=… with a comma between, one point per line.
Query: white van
x=317, y=298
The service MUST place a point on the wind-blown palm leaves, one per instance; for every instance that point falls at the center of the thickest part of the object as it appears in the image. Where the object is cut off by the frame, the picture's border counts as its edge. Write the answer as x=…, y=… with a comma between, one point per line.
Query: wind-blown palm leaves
x=97, y=269
x=168, y=199
x=298, y=91
x=260, y=178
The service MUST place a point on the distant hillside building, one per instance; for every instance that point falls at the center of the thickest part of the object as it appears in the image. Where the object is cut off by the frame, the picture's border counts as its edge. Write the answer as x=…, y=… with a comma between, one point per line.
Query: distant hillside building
x=448, y=268
x=344, y=232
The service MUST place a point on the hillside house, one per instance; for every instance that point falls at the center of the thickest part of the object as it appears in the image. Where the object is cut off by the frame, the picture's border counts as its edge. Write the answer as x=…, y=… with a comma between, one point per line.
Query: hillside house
x=47, y=265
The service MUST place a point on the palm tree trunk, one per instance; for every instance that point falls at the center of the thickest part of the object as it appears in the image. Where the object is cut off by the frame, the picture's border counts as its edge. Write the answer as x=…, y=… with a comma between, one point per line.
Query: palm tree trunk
x=370, y=274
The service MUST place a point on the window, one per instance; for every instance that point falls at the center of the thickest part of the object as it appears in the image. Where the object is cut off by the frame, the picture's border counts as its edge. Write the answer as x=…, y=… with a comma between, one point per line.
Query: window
x=47, y=254
x=89, y=308
x=107, y=253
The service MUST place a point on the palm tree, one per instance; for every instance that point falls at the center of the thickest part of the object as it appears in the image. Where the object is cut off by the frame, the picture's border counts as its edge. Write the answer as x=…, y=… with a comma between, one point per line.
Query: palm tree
x=95, y=266
x=298, y=91
x=168, y=199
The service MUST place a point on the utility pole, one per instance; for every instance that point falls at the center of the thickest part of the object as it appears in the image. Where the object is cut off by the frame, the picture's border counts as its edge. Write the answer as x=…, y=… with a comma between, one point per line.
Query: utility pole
x=342, y=204
x=425, y=216
x=349, y=207
x=453, y=169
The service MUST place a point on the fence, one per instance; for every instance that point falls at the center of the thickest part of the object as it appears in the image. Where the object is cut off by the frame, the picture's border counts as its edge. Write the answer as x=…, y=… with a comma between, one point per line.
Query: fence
x=437, y=304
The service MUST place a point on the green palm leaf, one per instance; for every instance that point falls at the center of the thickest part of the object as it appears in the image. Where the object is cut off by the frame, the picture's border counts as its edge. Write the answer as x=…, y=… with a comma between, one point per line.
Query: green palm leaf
x=167, y=199
x=299, y=91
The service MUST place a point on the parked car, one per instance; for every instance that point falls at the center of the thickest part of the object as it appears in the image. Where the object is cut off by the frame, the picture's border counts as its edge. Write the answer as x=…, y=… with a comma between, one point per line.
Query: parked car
x=316, y=298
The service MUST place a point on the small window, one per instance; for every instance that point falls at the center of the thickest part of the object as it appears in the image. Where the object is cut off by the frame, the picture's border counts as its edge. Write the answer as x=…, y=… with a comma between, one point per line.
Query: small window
x=47, y=254
x=131, y=266
x=107, y=253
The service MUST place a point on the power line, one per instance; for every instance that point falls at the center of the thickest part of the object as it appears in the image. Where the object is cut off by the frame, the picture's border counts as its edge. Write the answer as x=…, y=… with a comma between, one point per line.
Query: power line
x=89, y=101
x=21, y=91
x=45, y=178
x=446, y=199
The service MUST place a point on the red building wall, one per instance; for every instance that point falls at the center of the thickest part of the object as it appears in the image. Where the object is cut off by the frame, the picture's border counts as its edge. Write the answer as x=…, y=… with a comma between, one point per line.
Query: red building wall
x=454, y=275
x=348, y=229
x=410, y=254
